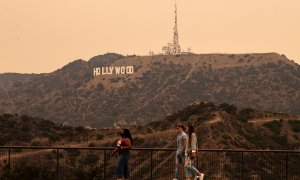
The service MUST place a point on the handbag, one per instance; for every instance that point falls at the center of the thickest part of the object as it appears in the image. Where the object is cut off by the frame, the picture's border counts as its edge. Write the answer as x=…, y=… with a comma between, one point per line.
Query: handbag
x=193, y=154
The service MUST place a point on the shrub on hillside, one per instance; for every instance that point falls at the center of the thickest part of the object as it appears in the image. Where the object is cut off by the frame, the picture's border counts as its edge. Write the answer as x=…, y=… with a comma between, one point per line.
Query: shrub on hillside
x=295, y=125
x=245, y=114
x=275, y=126
x=205, y=116
x=230, y=109
x=282, y=140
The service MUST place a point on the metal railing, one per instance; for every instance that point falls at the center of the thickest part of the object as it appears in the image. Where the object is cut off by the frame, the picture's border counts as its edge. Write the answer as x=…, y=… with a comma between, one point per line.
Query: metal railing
x=19, y=162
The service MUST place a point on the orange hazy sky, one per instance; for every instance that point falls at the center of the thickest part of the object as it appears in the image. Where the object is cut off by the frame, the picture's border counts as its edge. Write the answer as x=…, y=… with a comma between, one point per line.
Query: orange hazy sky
x=39, y=36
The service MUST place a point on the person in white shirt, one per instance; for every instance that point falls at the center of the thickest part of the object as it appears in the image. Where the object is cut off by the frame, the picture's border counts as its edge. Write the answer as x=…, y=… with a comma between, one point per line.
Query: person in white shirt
x=191, y=152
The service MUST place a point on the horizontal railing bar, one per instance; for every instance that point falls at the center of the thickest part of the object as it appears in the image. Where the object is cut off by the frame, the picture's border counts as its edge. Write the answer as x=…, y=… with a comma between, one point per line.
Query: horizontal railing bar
x=244, y=150
x=146, y=149
x=55, y=147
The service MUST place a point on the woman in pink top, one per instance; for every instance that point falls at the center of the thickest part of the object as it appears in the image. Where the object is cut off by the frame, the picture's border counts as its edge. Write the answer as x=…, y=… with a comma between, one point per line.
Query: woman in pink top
x=124, y=145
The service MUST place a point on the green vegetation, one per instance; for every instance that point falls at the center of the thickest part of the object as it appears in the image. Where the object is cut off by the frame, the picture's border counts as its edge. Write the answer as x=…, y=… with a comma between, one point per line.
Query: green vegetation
x=275, y=126
x=230, y=109
x=256, y=137
x=295, y=125
x=245, y=114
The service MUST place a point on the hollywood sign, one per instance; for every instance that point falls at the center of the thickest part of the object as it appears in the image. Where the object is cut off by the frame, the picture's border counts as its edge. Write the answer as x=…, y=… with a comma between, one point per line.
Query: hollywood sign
x=110, y=70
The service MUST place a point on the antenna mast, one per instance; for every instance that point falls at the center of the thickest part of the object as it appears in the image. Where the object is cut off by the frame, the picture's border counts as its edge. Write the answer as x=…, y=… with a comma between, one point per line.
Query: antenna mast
x=173, y=48
x=176, y=46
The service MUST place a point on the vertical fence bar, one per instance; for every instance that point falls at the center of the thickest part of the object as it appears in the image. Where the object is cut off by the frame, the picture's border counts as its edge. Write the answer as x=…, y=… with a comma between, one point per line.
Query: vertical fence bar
x=9, y=169
x=197, y=159
x=104, y=164
x=242, y=165
x=151, y=164
x=286, y=165
x=57, y=164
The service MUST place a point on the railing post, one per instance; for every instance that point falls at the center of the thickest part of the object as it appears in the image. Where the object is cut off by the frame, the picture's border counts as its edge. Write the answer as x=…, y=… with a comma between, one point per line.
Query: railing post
x=9, y=152
x=104, y=164
x=197, y=159
x=242, y=165
x=57, y=163
x=151, y=163
x=286, y=165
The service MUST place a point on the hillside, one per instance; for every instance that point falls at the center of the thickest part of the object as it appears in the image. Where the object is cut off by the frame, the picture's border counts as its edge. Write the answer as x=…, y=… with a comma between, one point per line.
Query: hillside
x=159, y=86
x=228, y=127
x=225, y=126
x=221, y=126
x=17, y=130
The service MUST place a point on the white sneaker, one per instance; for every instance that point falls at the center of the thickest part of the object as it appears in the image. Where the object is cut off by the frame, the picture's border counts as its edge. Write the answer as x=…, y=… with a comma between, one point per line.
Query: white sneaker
x=174, y=179
x=201, y=176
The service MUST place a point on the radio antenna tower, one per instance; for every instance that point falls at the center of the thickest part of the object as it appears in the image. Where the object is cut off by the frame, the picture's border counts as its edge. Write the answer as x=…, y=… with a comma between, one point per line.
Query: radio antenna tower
x=173, y=48
x=176, y=46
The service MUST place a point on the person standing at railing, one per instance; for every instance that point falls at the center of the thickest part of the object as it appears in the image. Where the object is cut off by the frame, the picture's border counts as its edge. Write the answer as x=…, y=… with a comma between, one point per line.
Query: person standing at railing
x=124, y=145
x=191, y=152
x=180, y=153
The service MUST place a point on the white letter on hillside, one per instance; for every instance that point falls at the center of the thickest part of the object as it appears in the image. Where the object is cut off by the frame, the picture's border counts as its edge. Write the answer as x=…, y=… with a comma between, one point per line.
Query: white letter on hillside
x=97, y=71
x=103, y=70
x=111, y=70
x=129, y=70
x=117, y=69
x=122, y=70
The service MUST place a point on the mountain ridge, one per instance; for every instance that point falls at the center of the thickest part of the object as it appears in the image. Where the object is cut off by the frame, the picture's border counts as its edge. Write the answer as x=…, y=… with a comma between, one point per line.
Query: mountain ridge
x=159, y=86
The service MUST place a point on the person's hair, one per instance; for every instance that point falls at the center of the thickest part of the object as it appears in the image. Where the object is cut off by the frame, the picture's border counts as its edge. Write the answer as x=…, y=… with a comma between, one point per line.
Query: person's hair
x=128, y=135
x=181, y=126
x=190, y=132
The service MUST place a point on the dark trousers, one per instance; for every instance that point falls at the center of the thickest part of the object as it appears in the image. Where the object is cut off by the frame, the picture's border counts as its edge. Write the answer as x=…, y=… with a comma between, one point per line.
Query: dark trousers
x=122, y=167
